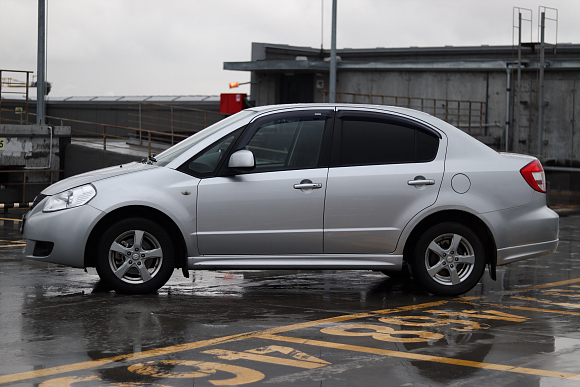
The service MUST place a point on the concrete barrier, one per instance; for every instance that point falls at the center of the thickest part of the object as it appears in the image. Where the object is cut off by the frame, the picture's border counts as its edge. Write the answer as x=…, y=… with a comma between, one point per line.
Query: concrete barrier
x=80, y=159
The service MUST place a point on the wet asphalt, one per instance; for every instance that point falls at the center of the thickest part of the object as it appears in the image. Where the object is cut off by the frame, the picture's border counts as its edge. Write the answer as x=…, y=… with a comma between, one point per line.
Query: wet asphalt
x=61, y=327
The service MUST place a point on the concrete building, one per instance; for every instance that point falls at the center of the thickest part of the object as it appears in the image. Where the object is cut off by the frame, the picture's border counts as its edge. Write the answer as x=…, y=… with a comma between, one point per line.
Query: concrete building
x=474, y=88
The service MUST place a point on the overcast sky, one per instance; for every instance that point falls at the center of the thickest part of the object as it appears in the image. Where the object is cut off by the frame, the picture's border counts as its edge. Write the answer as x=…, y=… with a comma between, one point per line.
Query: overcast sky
x=177, y=47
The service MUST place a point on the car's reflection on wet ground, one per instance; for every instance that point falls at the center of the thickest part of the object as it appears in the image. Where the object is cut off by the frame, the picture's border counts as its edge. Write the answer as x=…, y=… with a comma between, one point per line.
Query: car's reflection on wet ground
x=59, y=326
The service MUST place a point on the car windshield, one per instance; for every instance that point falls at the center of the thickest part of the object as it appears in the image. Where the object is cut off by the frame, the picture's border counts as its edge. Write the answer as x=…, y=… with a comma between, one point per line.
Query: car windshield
x=172, y=153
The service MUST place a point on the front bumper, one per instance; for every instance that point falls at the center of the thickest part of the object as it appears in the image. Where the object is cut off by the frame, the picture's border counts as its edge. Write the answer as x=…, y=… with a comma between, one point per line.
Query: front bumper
x=60, y=236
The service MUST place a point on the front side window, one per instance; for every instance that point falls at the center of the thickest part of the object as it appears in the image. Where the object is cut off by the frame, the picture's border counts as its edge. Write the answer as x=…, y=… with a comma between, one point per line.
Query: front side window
x=288, y=143
x=372, y=141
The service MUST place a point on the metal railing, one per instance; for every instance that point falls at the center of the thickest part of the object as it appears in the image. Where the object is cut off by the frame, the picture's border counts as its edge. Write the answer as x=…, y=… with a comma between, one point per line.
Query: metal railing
x=173, y=119
x=466, y=115
x=9, y=82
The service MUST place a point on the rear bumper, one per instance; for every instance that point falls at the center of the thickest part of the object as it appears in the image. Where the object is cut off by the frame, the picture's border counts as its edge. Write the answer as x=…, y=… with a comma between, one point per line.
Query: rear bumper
x=517, y=253
x=524, y=232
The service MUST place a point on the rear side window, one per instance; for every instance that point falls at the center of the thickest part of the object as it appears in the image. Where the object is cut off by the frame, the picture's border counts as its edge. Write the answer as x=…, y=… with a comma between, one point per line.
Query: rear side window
x=370, y=141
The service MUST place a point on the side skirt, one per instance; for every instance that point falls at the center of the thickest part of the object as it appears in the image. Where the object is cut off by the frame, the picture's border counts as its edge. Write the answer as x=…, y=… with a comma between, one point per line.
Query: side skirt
x=301, y=262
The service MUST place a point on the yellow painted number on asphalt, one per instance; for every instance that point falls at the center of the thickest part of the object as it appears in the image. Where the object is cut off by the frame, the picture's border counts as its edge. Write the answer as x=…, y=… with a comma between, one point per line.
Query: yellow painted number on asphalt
x=382, y=333
x=161, y=369
x=486, y=314
x=299, y=359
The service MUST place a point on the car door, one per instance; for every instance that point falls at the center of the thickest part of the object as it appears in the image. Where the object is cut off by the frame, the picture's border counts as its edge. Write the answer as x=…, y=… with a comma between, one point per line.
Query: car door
x=277, y=208
x=384, y=170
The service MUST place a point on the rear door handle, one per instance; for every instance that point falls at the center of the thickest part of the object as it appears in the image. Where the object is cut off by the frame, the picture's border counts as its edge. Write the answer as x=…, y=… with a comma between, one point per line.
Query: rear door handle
x=307, y=186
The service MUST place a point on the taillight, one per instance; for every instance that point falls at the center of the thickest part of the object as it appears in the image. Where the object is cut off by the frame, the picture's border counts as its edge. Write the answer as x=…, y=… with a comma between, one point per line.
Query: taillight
x=535, y=176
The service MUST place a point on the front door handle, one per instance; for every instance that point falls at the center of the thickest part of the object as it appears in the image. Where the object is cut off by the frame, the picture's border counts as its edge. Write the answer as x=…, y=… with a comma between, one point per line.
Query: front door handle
x=308, y=186
x=420, y=180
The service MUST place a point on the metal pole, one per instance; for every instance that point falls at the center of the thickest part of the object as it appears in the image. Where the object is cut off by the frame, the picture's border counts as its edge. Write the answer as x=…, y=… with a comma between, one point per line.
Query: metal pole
x=40, y=65
x=1, y=96
x=27, y=84
x=172, y=125
x=140, y=128
x=332, y=96
x=541, y=86
x=517, y=93
x=507, y=107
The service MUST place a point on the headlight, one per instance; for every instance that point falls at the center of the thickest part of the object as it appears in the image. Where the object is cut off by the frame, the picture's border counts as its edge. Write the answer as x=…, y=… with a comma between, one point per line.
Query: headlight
x=73, y=197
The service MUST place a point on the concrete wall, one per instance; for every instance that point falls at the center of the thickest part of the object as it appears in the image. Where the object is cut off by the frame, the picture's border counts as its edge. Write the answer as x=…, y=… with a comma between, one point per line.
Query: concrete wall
x=80, y=159
x=28, y=147
x=560, y=139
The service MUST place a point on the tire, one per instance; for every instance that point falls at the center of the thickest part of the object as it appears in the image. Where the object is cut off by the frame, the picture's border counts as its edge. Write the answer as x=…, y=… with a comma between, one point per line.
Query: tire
x=448, y=259
x=135, y=256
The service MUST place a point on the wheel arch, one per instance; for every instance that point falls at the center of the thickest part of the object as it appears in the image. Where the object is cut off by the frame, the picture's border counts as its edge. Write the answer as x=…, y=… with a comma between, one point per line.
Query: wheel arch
x=153, y=214
x=462, y=217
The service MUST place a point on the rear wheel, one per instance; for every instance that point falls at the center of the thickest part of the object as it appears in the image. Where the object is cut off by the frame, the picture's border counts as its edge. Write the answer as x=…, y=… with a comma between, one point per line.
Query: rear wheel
x=448, y=259
x=135, y=256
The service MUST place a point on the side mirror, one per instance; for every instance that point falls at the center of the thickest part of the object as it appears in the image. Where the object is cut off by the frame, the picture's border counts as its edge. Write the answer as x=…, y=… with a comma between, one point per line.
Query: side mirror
x=242, y=161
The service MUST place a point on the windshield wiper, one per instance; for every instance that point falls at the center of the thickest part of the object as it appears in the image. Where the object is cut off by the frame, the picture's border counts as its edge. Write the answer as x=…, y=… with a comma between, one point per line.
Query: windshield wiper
x=149, y=160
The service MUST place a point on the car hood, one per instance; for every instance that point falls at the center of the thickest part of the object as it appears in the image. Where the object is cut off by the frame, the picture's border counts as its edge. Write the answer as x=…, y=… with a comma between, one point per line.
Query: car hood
x=99, y=174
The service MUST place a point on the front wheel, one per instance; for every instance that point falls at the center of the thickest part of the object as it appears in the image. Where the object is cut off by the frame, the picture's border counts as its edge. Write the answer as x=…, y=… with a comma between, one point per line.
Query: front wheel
x=448, y=259
x=135, y=256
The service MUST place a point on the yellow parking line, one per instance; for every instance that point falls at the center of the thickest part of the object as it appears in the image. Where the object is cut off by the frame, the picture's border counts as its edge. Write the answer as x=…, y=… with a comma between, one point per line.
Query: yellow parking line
x=12, y=219
x=562, y=304
x=536, y=287
x=16, y=245
x=535, y=309
x=200, y=344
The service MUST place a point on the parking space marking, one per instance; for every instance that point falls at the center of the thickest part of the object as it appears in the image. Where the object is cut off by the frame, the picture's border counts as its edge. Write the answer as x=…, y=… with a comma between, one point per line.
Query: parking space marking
x=274, y=354
x=429, y=358
x=200, y=344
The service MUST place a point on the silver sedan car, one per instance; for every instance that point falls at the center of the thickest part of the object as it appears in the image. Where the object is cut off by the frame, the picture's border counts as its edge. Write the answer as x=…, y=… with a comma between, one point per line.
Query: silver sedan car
x=313, y=186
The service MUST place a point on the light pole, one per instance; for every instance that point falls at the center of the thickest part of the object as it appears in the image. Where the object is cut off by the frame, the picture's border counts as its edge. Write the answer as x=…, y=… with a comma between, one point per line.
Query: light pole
x=40, y=65
x=332, y=96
